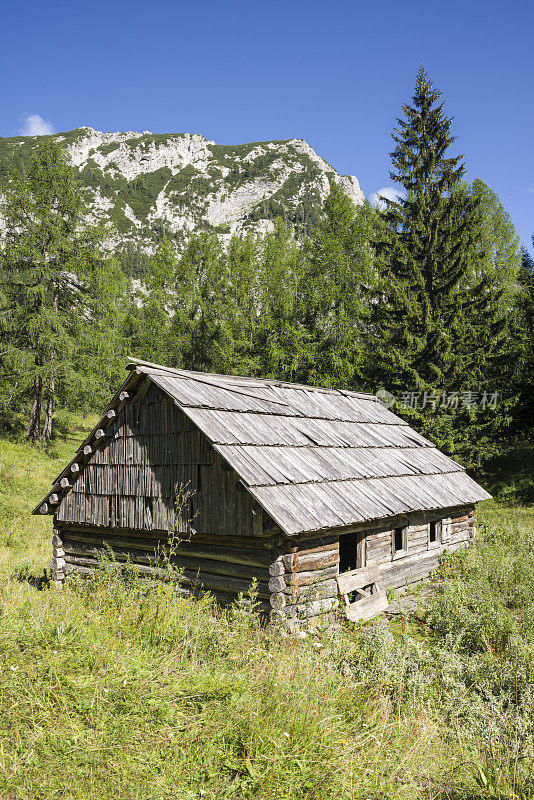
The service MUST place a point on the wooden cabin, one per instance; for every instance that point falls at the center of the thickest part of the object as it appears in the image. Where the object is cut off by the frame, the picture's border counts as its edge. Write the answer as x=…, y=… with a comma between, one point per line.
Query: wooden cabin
x=316, y=493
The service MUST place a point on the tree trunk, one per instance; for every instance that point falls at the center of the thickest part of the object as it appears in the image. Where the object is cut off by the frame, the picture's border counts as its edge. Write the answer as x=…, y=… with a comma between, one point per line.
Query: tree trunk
x=32, y=431
x=47, y=427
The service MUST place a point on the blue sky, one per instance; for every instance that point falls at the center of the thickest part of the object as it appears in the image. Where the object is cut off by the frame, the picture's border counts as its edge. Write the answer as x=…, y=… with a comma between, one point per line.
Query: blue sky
x=334, y=73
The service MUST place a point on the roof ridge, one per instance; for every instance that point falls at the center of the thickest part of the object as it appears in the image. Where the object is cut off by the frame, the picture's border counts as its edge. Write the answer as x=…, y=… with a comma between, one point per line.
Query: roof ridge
x=133, y=363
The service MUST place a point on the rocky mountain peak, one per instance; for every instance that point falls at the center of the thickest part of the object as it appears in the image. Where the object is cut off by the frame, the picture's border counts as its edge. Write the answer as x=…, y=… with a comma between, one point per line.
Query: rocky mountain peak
x=138, y=183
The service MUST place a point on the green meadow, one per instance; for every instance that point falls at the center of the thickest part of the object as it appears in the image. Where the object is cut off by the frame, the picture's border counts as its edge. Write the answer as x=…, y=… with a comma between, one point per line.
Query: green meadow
x=112, y=689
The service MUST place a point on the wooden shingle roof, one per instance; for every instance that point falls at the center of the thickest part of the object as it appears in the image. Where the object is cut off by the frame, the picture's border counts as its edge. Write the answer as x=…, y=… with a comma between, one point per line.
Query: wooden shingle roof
x=312, y=458
x=316, y=458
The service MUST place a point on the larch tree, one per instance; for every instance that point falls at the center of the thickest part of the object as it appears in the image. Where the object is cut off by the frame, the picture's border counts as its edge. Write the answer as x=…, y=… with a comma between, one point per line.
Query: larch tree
x=281, y=340
x=149, y=323
x=240, y=308
x=486, y=347
x=338, y=286
x=198, y=326
x=59, y=294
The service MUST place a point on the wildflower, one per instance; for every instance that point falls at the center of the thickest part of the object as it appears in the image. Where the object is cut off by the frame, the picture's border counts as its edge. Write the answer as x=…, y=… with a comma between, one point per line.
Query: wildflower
x=286, y=734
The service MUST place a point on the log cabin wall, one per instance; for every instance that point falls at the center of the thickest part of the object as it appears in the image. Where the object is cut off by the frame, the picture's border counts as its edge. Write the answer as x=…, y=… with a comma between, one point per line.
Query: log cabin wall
x=307, y=591
x=224, y=567
x=127, y=498
x=420, y=555
x=306, y=570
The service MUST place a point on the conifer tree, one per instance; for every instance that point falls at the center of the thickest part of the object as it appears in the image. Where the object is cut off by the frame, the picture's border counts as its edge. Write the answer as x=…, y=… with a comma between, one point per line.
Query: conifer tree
x=438, y=321
x=426, y=234
x=150, y=317
x=198, y=322
x=59, y=294
x=523, y=379
x=241, y=307
x=485, y=347
x=281, y=340
x=338, y=286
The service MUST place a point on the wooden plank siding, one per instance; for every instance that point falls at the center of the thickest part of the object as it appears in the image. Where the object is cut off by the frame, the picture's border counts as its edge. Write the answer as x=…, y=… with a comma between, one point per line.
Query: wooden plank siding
x=133, y=479
x=125, y=501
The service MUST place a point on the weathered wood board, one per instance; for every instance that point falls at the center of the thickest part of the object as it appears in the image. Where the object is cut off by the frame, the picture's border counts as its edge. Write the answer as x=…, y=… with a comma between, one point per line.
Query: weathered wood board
x=372, y=598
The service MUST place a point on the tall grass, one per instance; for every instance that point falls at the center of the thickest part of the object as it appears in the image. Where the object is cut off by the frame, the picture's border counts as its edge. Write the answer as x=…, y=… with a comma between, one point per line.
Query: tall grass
x=110, y=689
x=114, y=688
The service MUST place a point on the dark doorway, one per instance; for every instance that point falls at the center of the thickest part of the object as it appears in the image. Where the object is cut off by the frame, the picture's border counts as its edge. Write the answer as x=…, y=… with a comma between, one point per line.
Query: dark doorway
x=351, y=551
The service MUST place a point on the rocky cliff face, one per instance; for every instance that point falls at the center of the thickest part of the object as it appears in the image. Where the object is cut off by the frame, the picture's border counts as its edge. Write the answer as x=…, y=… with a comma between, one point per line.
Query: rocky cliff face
x=139, y=183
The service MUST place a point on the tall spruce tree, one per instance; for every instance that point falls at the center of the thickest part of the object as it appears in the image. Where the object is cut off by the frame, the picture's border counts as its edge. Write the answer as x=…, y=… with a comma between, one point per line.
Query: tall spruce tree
x=438, y=325
x=59, y=301
x=426, y=235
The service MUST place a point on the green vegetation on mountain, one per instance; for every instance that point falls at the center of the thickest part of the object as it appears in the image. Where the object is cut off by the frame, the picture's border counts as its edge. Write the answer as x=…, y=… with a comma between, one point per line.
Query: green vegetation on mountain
x=138, y=174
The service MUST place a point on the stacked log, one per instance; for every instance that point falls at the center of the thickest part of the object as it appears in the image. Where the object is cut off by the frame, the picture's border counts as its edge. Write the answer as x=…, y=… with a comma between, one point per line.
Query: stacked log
x=306, y=588
x=57, y=562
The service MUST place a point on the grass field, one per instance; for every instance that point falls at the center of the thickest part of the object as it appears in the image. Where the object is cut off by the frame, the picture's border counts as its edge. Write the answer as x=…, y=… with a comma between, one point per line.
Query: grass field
x=108, y=690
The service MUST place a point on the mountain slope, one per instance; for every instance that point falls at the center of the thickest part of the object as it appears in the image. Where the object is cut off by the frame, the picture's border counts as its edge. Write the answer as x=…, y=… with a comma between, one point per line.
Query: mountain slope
x=139, y=183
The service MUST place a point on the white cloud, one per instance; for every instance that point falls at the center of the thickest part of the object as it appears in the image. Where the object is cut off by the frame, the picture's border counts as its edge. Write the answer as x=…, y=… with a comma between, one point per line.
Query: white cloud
x=35, y=125
x=389, y=192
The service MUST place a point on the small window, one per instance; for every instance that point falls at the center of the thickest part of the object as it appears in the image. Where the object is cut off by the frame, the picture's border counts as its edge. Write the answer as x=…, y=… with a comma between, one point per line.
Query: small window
x=148, y=513
x=399, y=542
x=434, y=533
